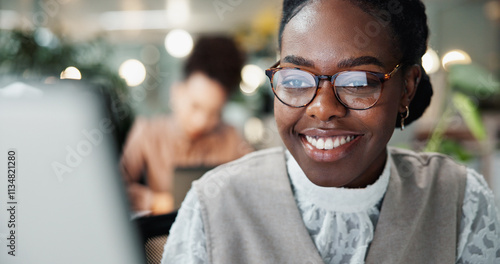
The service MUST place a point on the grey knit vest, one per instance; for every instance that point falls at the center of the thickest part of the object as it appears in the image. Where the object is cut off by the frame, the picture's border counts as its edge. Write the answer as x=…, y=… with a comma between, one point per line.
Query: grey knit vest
x=250, y=215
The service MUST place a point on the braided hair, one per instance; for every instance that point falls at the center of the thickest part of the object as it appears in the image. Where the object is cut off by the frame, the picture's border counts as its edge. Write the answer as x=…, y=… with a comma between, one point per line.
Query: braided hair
x=408, y=23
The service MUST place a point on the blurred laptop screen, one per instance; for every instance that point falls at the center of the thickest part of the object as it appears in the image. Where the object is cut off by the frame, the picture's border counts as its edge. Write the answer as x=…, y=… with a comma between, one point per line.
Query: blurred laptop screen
x=62, y=197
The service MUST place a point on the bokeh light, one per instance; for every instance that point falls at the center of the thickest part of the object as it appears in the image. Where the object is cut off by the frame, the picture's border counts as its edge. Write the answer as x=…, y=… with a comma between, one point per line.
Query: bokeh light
x=430, y=61
x=455, y=57
x=71, y=73
x=252, y=77
x=254, y=130
x=178, y=43
x=133, y=71
x=45, y=38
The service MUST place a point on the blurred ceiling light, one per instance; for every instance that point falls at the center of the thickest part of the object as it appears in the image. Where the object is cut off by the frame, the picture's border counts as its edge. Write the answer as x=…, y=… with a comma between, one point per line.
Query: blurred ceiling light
x=252, y=77
x=455, y=57
x=254, y=130
x=133, y=71
x=134, y=20
x=178, y=11
x=178, y=43
x=430, y=61
x=71, y=73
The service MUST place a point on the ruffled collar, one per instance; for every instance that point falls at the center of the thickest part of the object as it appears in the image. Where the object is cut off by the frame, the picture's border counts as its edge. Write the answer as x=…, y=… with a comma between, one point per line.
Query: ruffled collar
x=333, y=198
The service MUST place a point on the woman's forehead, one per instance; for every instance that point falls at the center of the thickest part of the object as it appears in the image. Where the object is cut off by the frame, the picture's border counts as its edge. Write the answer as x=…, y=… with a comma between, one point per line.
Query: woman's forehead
x=333, y=31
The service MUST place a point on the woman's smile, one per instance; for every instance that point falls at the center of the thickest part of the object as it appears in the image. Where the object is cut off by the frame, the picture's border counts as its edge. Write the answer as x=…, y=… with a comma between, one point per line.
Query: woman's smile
x=328, y=145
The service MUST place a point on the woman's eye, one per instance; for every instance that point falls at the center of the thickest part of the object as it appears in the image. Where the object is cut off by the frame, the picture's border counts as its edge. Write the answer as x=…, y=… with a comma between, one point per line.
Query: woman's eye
x=296, y=83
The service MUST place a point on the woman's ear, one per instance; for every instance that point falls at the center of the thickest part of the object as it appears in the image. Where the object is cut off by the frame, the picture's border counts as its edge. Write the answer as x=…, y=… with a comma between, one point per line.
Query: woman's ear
x=412, y=79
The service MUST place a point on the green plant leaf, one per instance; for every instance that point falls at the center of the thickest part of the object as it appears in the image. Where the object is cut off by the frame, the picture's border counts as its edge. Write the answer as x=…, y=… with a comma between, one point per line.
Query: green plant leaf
x=469, y=112
x=473, y=80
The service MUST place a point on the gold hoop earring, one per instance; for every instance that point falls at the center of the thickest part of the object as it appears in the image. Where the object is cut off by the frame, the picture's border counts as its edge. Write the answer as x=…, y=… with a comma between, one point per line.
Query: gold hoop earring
x=403, y=117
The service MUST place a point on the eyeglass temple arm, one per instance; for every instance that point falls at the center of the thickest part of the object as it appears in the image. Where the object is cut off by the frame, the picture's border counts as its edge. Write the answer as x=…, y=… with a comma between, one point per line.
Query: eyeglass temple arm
x=270, y=71
x=388, y=75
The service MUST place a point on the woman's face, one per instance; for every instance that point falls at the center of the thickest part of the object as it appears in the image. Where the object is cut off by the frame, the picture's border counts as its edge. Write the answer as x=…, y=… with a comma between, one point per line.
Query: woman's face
x=324, y=38
x=198, y=103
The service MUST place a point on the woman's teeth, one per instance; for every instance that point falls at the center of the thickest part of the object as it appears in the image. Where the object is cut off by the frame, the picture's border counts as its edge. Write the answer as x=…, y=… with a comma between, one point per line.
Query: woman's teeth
x=329, y=142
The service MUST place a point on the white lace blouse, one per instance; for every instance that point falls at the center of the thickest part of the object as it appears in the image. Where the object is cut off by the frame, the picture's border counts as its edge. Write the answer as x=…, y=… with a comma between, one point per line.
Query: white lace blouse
x=343, y=231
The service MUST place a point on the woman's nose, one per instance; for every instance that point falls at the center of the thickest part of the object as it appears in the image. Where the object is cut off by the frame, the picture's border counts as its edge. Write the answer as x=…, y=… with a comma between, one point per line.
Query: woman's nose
x=325, y=105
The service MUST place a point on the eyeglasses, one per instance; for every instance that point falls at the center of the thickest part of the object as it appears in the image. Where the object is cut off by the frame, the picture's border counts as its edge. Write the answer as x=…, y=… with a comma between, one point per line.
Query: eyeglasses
x=356, y=90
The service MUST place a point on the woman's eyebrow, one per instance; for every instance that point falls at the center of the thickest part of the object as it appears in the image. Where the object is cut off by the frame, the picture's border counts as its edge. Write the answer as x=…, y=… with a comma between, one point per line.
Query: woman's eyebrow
x=346, y=63
x=300, y=61
x=363, y=60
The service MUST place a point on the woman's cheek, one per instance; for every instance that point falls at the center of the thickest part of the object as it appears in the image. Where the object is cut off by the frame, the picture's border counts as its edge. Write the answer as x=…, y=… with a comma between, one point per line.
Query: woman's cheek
x=285, y=117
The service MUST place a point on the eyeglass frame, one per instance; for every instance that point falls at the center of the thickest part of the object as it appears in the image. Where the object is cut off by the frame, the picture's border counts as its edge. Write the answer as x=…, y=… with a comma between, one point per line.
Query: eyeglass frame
x=383, y=77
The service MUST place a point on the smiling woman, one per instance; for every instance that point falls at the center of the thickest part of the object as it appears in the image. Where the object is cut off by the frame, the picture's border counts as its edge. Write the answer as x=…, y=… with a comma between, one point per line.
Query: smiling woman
x=349, y=74
x=307, y=44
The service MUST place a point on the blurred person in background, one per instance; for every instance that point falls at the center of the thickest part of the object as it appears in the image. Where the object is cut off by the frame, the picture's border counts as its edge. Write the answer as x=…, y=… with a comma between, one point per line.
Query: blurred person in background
x=193, y=135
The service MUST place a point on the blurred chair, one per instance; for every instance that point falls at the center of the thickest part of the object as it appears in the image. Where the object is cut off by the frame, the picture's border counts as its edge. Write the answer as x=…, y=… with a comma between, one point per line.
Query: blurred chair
x=154, y=231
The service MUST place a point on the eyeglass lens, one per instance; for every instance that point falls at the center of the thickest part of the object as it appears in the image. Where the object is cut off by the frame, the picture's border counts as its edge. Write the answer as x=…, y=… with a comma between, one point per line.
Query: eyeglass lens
x=354, y=89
